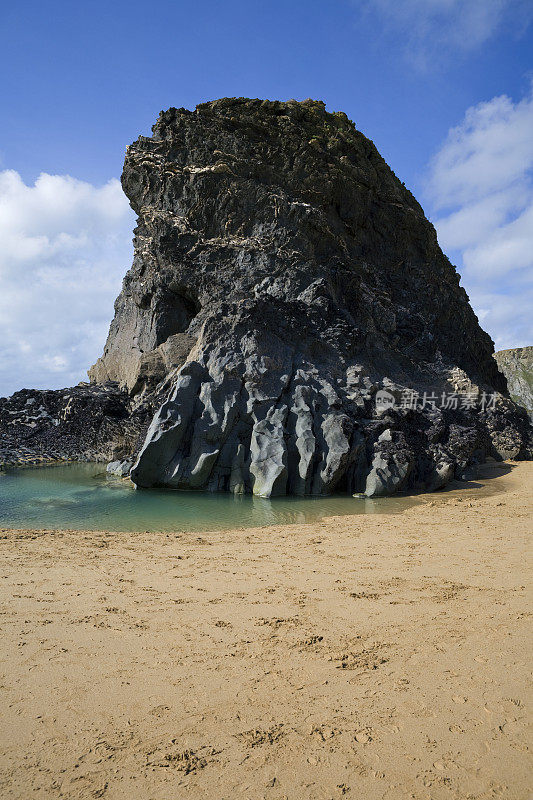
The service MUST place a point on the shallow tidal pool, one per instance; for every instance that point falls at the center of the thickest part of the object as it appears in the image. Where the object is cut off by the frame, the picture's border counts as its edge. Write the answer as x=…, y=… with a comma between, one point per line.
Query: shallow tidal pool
x=83, y=497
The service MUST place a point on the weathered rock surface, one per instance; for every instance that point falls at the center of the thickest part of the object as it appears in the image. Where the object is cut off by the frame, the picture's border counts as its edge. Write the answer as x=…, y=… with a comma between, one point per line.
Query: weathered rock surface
x=84, y=423
x=282, y=275
x=517, y=366
x=283, y=280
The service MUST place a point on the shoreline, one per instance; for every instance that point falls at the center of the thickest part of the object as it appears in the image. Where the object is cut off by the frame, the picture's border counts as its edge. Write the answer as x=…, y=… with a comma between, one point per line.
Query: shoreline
x=480, y=486
x=382, y=656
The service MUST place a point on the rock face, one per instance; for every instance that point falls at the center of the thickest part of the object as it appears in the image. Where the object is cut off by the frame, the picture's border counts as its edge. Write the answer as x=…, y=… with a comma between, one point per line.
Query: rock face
x=283, y=279
x=517, y=366
x=89, y=423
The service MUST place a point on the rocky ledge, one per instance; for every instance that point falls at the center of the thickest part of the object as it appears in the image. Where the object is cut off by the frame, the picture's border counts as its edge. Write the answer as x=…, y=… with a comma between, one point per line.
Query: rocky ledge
x=83, y=423
x=290, y=323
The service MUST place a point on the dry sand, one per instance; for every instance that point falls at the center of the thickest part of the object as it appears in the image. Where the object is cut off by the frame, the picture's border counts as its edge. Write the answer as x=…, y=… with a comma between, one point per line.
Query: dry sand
x=366, y=656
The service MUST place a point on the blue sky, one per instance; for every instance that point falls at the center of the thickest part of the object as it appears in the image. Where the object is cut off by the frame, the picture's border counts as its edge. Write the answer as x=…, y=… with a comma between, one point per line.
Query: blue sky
x=443, y=87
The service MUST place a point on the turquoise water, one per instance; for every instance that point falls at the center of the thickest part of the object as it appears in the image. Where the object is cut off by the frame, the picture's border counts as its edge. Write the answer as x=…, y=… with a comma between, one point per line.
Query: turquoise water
x=83, y=497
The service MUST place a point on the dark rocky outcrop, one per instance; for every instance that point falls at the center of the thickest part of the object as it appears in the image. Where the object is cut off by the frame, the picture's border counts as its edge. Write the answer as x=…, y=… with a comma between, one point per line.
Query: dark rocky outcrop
x=283, y=279
x=89, y=423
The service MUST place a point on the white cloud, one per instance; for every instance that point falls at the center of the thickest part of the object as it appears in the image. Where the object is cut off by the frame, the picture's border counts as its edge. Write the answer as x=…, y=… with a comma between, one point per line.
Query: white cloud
x=488, y=152
x=481, y=188
x=66, y=246
x=432, y=29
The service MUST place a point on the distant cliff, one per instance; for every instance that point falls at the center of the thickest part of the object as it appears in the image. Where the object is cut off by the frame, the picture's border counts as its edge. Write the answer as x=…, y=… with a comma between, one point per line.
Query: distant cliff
x=517, y=366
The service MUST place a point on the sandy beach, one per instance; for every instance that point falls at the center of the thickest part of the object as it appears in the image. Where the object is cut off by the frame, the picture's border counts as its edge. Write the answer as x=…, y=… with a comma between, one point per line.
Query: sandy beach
x=381, y=657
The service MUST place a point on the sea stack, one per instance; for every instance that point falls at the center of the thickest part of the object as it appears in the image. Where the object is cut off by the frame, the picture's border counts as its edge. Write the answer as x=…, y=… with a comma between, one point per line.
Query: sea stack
x=283, y=280
x=289, y=325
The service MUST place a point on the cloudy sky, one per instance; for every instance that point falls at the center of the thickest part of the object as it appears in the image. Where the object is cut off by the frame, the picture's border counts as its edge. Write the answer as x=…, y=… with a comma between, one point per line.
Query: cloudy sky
x=443, y=87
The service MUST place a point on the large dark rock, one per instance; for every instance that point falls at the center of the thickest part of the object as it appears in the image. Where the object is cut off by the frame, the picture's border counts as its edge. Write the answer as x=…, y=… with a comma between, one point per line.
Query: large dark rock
x=282, y=275
x=283, y=278
x=89, y=423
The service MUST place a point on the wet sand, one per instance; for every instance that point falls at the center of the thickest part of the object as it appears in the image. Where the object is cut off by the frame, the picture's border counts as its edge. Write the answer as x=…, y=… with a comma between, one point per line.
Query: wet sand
x=376, y=657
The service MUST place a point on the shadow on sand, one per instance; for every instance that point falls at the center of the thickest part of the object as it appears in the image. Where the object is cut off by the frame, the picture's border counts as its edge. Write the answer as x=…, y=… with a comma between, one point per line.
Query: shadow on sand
x=480, y=477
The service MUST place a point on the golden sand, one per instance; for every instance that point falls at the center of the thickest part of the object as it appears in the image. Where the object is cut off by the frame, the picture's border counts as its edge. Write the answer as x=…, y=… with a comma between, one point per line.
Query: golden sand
x=373, y=657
